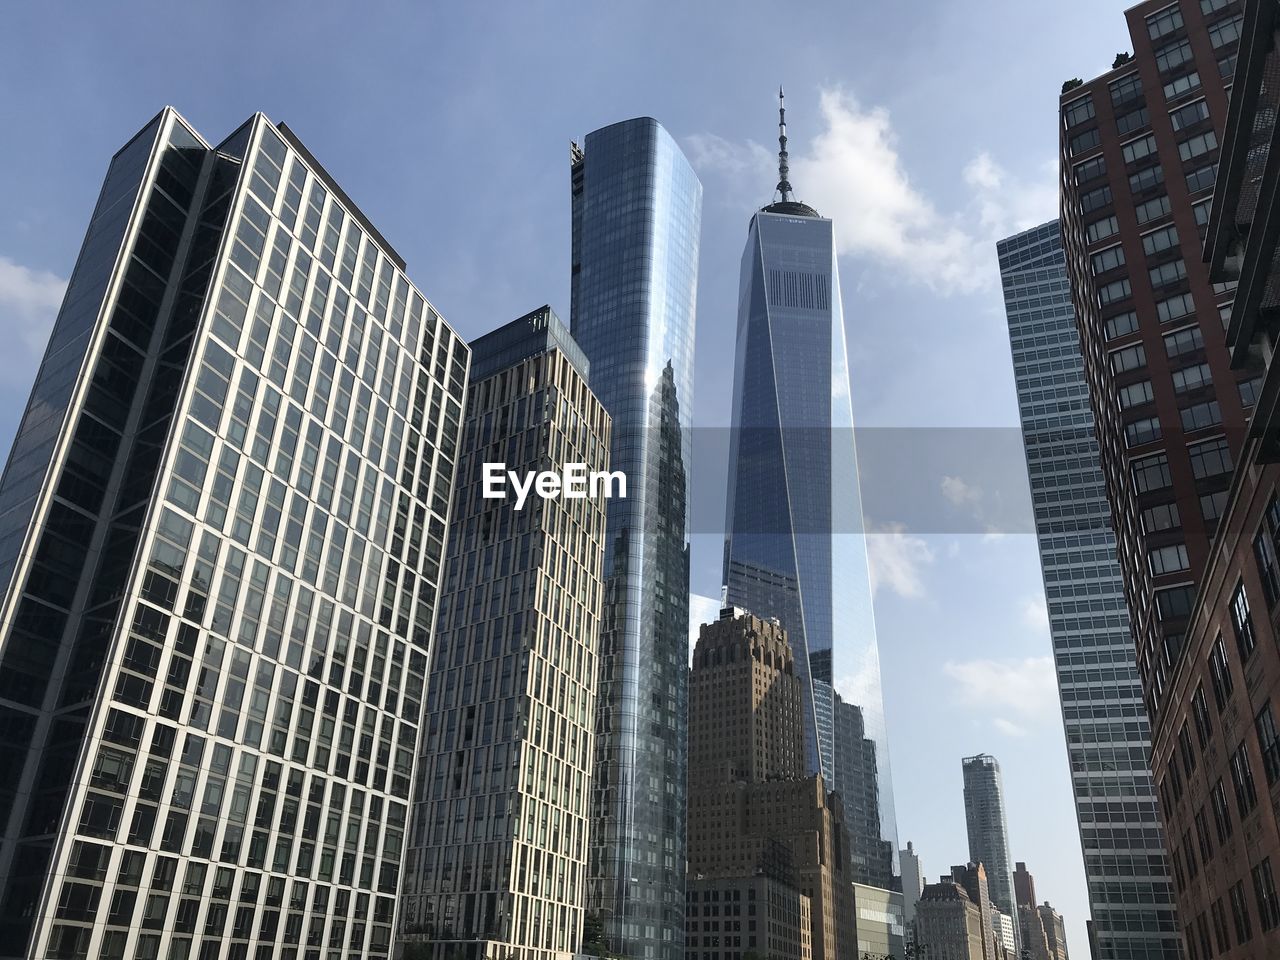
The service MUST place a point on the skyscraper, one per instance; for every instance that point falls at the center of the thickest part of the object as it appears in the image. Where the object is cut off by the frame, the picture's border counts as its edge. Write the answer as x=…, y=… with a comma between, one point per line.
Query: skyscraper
x=498, y=847
x=1108, y=737
x=753, y=810
x=220, y=530
x=794, y=546
x=949, y=924
x=637, y=209
x=988, y=831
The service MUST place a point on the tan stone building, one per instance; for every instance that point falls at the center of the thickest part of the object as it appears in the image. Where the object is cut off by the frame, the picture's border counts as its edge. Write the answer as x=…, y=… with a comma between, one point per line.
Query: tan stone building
x=949, y=925
x=752, y=811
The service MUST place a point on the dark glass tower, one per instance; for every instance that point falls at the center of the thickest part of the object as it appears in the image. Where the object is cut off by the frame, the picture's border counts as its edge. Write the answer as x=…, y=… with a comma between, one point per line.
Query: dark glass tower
x=637, y=208
x=795, y=548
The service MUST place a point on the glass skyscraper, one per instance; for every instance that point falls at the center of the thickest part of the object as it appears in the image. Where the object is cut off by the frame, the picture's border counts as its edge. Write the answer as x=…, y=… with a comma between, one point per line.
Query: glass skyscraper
x=1108, y=738
x=637, y=210
x=795, y=548
x=221, y=528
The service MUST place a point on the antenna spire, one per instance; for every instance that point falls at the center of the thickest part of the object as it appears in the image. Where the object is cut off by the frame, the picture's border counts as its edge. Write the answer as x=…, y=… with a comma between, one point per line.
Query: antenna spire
x=784, y=185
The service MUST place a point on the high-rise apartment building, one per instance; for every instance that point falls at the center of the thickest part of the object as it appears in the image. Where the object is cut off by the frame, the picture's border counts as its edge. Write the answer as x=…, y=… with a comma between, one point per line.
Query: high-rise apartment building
x=221, y=527
x=637, y=208
x=794, y=544
x=1108, y=737
x=498, y=844
x=988, y=831
x=753, y=810
x=1139, y=149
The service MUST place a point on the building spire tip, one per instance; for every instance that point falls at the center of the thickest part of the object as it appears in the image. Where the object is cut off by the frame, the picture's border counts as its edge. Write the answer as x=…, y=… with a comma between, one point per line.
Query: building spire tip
x=784, y=185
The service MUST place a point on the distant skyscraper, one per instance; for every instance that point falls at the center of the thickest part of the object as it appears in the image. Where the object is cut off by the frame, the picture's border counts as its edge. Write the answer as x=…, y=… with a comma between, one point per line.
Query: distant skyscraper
x=912, y=881
x=637, y=209
x=753, y=811
x=498, y=849
x=1108, y=738
x=794, y=546
x=222, y=524
x=988, y=831
x=949, y=924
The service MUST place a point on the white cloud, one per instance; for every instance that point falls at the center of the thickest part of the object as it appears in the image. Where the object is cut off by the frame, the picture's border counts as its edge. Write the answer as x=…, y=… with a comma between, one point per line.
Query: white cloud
x=854, y=173
x=29, y=301
x=1015, y=694
x=1035, y=614
x=960, y=493
x=896, y=560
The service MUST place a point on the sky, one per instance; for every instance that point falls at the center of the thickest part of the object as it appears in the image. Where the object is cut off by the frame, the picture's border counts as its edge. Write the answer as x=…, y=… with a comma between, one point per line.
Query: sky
x=926, y=131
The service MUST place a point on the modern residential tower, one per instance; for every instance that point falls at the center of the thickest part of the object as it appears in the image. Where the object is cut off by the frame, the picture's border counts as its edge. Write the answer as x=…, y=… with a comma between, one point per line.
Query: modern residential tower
x=988, y=831
x=795, y=549
x=498, y=846
x=637, y=208
x=1108, y=737
x=221, y=528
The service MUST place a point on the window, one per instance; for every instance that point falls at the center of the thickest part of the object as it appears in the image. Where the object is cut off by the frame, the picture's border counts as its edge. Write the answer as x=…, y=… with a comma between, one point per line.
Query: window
x=1182, y=85
x=1101, y=229
x=1249, y=391
x=1186, y=340
x=1173, y=55
x=1242, y=622
x=1107, y=259
x=1240, y=906
x=1242, y=780
x=1091, y=169
x=1201, y=210
x=1175, y=602
x=1268, y=742
x=1198, y=146
x=1170, y=559
x=1220, y=674
x=1212, y=504
x=1211, y=458
x=1152, y=209
x=1151, y=473
x=1213, y=6
x=1201, y=415
x=1163, y=516
x=1121, y=324
x=1095, y=199
x=1078, y=111
x=1192, y=377
x=1204, y=722
x=1136, y=150
x=1160, y=240
x=1202, y=179
x=1264, y=891
x=1135, y=394
x=1132, y=121
x=1146, y=179
x=1085, y=141
x=1167, y=273
x=1125, y=89
x=1128, y=358
x=1189, y=115
x=1142, y=431
x=1224, y=32
x=1116, y=290
x=1227, y=67
x=1264, y=552
x=1164, y=23
x=1175, y=308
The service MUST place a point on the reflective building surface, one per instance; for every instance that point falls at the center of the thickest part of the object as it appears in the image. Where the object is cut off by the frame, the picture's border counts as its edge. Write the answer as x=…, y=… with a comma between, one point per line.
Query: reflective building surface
x=221, y=529
x=1108, y=737
x=498, y=848
x=795, y=548
x=637, y=208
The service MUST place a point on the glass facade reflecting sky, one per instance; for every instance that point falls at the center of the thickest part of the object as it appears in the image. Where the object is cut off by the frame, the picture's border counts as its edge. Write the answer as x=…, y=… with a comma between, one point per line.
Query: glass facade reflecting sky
x=795, y=547
x=637, y=207
x=1108, y=738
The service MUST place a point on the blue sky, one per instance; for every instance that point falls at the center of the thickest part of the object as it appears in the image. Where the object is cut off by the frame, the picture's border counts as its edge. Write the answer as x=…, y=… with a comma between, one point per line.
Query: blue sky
x=925, y=130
